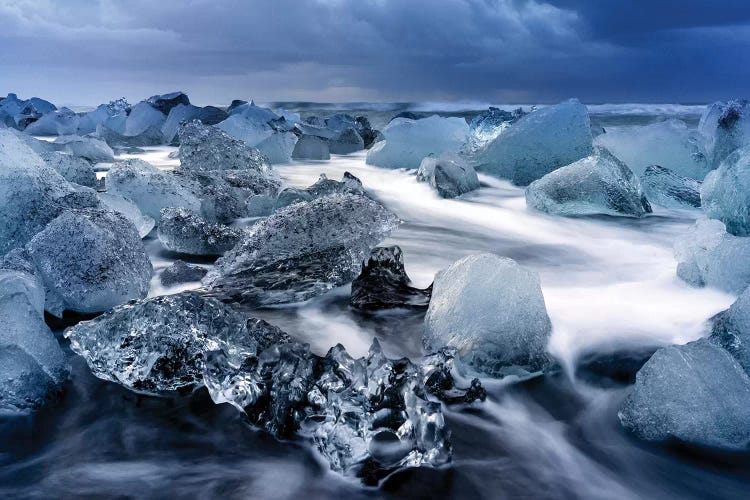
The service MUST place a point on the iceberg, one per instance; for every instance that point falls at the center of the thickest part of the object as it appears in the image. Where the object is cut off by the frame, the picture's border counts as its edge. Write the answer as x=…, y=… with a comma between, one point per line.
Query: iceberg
x=695, y=393
x=369, y=135
x=492, y=311
x=89, y=261
x=158, y=345
x=725, y=193
x=260, y=205
x=301, y=251
x=365, y=416
x=407, y=141
x=311, y=147
x=669, y=144
x=152, y=189
x=538, y=143
x=597, y=184
x=725, y=127
x=669, y=189
x=185, y=232
x=449, y=174
x=181, y=272
x=384, y=284
x=72, y=168
x=709, y=256
x=204, y=147
x=32, y=365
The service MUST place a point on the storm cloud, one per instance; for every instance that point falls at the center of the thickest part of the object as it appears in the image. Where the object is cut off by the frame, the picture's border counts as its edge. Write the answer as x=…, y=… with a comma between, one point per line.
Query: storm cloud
x=503, y=51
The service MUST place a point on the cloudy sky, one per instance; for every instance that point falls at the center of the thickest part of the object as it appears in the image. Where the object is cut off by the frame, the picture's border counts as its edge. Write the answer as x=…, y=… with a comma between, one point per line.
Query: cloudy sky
x=503, y=51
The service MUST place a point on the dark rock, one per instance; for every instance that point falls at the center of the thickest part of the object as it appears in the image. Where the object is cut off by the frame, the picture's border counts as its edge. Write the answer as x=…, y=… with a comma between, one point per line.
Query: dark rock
x=181, y=272
x=166, y=102
x=384, y=284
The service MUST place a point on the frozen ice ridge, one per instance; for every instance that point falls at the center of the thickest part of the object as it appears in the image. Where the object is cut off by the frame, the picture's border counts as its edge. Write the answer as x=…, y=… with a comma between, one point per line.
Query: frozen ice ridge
x=597, y=184
x=492, y=311
x=158, y=345
x=366, y=416
x=301, y=251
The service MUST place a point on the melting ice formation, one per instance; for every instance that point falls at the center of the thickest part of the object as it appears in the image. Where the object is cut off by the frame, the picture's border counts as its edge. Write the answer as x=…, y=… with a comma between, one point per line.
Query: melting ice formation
x=182, y=231
x=366, y=416
x=181, y=272
x=669, y=189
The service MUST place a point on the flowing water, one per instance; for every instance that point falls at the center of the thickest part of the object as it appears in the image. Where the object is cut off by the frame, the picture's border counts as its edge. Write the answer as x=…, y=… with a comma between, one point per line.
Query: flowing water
x=610, y=289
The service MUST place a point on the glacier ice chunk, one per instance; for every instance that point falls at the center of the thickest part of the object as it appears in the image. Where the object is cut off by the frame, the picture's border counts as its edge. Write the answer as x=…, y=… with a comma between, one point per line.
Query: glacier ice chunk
x=72, y=168
x=725, y=193
x=61, y=122
x=669, y=189
x=158, y=345
x=407, y=141
x=301, y=251
x=29, y=192
x=731, y=330
x=347, y=141
x=166, y=102
x=709, y=256
x=181, y=272
x=89, y=261
x=182, y=231
x=204, y=147
x=91, y=148
x=597, y=184
x=695, y=393
x=492, y=311
x=142, y=117
x=143, y=223
x=278, y=147
x=365, y=416
x=670, y=144
x=152, y=189
x=538, y=143
x=725, y=127
x=449, y=174
x=32, y=365
x=311, y=147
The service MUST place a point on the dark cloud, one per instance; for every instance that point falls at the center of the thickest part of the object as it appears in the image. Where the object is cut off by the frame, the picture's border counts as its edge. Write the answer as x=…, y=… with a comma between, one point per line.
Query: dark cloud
x=84, y=51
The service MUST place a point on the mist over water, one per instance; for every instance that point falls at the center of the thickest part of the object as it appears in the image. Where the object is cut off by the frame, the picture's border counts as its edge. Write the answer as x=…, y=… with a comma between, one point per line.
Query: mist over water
x=609, y=285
